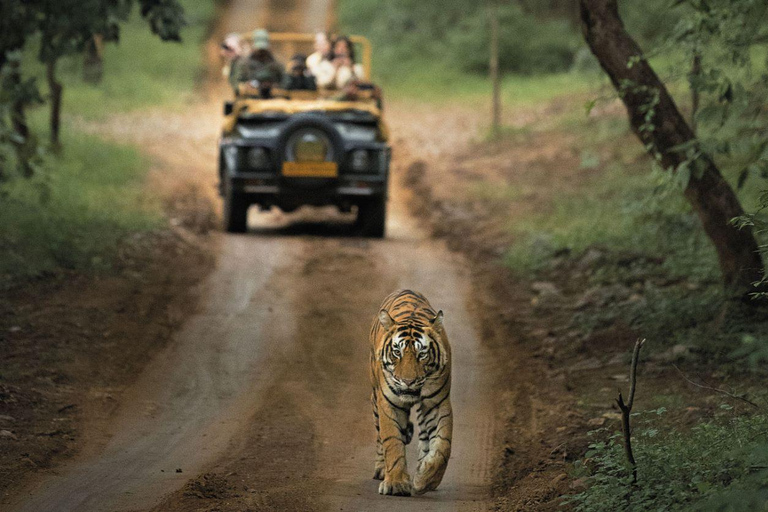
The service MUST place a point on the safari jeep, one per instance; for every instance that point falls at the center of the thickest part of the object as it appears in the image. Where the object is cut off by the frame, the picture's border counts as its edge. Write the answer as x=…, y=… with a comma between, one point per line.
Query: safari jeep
x=301, y=148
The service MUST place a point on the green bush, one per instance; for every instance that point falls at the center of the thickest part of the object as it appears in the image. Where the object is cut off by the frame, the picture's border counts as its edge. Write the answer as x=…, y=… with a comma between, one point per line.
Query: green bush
x=720, y=464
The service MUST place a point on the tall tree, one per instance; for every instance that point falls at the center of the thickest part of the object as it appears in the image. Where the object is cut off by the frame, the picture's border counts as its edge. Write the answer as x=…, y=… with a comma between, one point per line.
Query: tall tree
x=67, y=27
x=658, y=123
x=17, y=21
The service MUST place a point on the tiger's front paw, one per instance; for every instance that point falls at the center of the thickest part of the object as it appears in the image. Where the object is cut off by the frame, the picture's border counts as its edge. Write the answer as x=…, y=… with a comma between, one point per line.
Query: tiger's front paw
x=378, y=472
x=396, y=486
x=429, y=476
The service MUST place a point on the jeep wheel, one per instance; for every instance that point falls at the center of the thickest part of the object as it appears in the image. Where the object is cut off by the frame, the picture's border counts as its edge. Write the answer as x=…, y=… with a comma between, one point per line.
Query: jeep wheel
x=235, y=212
x=372, y=218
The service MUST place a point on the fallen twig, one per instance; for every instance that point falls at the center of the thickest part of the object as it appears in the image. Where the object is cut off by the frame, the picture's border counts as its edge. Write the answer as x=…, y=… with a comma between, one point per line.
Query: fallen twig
x=716, y=390
x=626, y=408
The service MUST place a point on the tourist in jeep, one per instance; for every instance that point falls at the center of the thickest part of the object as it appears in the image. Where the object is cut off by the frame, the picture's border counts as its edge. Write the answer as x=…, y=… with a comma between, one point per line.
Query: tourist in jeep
x=345, y=68
x=319, y=62
x=260, y=70
x=298, y=77
x=231, y=50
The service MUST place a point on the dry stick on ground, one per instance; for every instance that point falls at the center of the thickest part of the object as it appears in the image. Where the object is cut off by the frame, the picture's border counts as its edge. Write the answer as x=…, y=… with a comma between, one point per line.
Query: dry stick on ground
x=626, y=408
x=716, y=390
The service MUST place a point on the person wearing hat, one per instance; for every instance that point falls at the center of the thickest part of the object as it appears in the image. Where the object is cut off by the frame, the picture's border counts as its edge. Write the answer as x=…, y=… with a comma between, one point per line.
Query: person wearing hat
x=260, y=69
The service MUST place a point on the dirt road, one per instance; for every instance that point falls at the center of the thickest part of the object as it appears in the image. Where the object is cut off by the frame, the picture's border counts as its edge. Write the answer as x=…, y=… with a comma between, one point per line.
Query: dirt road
x=265, y=389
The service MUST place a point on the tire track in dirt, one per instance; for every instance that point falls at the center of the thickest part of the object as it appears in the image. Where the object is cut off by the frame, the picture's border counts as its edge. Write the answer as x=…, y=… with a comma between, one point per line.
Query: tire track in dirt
x=193, y=396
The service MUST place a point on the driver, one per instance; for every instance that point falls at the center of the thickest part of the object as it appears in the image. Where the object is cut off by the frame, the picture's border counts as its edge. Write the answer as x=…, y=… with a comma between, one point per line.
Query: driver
x=260, y=69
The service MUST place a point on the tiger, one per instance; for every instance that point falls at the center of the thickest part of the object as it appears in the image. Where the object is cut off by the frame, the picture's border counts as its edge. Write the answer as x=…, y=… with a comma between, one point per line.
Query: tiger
x=410, y=366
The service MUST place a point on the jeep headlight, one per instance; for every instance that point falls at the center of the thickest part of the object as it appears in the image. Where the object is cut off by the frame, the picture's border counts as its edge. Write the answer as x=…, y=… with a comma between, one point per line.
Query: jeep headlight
x=309, y=145
x=257, y=159
x=359, y=160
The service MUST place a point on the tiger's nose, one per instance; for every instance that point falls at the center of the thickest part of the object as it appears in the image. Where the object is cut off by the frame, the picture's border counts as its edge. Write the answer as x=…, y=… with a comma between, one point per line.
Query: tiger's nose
x=408, y=382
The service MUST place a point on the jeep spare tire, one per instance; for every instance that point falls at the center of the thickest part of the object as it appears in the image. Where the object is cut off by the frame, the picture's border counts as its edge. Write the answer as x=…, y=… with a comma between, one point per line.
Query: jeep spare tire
x=310, y=138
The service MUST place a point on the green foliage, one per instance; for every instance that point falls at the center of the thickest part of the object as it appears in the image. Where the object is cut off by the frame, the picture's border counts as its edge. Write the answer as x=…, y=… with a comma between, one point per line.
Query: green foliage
x=720, y=464
x=734, y=87
x=526, y=44
x=728, y=38
x=651, y=22
x=63, y=27
x=79, y=206
x=455, y=36
x=139, y=71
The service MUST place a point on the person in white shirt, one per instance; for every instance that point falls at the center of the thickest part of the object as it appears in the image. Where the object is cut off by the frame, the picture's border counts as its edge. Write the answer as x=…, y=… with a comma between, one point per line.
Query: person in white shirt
x=319, y=63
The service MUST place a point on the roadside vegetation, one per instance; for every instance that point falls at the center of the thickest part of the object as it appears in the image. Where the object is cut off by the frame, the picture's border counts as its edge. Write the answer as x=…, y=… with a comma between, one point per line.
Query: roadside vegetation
x=611, y=247
x=69, y=205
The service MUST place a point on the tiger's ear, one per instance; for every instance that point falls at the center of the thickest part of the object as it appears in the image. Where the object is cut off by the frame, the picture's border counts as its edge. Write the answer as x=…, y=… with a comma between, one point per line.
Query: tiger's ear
x=385, y=320
x=437, y=322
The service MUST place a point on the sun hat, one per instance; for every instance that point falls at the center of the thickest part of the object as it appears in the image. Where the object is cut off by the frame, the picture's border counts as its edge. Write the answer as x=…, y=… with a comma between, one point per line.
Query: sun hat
x=260, y=39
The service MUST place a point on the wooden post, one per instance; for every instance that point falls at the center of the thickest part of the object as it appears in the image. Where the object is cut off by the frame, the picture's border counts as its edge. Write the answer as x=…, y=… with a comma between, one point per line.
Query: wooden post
x=494, y=68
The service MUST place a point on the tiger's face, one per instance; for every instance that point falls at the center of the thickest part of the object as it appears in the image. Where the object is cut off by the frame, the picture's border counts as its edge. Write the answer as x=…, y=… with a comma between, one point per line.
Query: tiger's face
x=411, y=353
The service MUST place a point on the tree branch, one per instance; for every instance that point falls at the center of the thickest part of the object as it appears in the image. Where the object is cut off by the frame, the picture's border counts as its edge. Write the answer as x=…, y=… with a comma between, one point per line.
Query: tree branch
x=626, y=408
x=716, y=390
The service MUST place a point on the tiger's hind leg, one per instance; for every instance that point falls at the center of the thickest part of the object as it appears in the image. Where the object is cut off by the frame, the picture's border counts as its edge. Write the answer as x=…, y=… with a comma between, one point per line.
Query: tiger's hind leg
x=378, y=467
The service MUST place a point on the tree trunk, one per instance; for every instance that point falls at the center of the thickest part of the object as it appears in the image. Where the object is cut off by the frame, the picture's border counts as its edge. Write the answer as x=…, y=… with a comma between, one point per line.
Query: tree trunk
x=494, y=69
x=56, y=93
x=663, y=129
x=93, y=60
x=24, y=147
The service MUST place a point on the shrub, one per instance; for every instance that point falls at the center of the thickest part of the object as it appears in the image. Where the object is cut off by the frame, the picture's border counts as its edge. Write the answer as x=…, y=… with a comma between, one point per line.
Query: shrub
x=719, y=464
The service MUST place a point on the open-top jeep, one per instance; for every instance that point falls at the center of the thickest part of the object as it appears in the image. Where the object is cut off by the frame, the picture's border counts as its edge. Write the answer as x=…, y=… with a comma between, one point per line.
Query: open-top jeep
x=300, y=148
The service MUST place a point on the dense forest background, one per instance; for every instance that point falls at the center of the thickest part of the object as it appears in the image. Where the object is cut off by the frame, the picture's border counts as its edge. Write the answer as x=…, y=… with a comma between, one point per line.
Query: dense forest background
x=537, y=37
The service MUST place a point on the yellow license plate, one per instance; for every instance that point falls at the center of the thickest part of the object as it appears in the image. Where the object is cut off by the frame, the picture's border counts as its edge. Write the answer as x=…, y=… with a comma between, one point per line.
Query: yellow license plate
x=310, y=169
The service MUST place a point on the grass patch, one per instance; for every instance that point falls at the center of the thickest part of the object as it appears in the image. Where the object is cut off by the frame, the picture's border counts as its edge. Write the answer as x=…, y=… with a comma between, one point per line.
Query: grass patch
x=75, y=211
x=436, y=83
x=650, y=265
x=719, y=464
x=81, y=204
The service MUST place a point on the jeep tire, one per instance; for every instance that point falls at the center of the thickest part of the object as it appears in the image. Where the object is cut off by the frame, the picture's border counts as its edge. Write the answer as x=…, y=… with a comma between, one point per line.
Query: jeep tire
x=372, y=218
x=235, y=211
